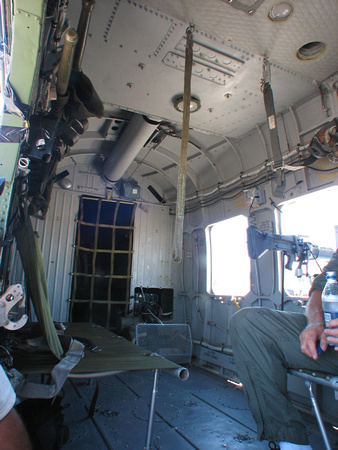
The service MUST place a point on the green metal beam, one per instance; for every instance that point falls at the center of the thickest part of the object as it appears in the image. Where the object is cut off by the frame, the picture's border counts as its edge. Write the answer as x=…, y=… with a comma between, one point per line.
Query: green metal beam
x=27, y=23
x=26, y=35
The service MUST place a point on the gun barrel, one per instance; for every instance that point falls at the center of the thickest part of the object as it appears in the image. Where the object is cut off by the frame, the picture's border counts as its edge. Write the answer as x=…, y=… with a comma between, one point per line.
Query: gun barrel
x=66, y=61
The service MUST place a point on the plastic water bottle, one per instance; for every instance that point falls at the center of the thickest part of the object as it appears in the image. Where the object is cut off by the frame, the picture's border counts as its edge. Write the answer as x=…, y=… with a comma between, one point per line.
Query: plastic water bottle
x=330, y=298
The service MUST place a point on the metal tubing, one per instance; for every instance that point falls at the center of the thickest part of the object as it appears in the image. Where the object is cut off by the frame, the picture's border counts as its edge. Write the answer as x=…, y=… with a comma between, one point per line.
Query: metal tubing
x=318, y=415
x=66, y=62
x=258, y=280
x=82, y=31
x=151, y=411
x=181, y=373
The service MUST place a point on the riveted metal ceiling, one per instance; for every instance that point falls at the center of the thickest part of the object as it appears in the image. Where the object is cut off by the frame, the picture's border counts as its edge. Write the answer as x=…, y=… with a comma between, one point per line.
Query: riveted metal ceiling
x=135, y=57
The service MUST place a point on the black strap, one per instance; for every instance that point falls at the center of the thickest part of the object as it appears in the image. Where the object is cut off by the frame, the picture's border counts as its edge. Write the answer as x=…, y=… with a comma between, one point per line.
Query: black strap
x=271, y=117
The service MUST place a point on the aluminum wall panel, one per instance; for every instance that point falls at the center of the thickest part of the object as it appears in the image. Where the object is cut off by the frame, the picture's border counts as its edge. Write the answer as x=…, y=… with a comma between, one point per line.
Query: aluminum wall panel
x=57, y=234
x=152, y=260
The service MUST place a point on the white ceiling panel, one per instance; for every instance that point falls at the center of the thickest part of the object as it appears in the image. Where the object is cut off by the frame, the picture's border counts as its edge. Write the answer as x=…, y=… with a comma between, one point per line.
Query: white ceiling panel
x=135, y=58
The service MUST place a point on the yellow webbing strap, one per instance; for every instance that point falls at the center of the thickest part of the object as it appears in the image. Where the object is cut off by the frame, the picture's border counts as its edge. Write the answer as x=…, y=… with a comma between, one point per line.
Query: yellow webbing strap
x=181, y=184
x=31, y=257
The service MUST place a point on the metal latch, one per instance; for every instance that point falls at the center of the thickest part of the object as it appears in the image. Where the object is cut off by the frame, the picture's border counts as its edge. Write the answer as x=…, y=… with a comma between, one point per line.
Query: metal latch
x=11, y=297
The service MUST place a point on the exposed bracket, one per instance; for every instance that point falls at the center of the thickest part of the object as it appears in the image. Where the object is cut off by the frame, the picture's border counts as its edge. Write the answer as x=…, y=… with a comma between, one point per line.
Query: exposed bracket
x=248, y=9
x=266, y=71
x=11, y=297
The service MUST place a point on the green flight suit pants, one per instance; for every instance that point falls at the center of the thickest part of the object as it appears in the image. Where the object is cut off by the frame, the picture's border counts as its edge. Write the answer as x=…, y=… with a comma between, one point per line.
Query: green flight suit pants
x=266, y=344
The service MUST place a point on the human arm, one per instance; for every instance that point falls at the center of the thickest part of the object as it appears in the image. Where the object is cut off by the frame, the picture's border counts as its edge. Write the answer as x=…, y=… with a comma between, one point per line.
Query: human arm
x=315, y=316
x=315, y=326
x=13, y=435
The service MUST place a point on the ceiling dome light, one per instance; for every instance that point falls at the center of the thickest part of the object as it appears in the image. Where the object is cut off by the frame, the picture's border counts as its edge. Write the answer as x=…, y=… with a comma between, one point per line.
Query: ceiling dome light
x=66, y=183
x=280, y=11
x=195, y=104
x=311, y=50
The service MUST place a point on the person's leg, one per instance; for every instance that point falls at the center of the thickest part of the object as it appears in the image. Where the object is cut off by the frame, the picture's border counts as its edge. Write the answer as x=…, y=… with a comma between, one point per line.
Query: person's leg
x=266, y=344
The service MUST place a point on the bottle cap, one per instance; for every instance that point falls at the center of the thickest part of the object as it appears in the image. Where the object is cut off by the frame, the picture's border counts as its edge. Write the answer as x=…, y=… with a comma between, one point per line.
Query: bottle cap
x=331, y=275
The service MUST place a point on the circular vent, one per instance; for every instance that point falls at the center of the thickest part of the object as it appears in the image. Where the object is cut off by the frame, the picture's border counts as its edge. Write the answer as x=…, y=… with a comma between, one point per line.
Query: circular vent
x=311, y=51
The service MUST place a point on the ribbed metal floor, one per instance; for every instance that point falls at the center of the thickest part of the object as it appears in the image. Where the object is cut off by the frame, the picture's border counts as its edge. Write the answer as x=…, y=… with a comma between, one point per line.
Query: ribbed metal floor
x=204, y=412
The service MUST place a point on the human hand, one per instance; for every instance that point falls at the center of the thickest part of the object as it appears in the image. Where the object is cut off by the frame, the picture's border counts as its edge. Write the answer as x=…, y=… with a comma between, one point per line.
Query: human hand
x=309, y=338
x=331, y=333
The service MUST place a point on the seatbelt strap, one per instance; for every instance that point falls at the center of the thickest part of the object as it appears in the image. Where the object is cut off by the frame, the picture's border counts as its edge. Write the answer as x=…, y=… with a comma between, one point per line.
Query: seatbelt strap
x=60, y=372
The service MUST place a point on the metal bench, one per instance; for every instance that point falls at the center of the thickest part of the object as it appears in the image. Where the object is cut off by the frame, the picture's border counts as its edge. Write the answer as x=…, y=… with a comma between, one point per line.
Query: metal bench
x=324, y=379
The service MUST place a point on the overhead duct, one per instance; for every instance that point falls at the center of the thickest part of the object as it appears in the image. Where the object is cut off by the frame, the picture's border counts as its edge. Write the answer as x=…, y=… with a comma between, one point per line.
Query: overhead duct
x=135, y=137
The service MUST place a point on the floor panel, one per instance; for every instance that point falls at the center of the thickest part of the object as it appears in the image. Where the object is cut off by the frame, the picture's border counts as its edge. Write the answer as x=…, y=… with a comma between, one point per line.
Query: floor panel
x=204, y=412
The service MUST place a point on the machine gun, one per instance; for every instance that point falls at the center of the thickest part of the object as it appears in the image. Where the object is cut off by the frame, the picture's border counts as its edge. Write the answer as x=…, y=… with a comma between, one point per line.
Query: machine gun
x=293, y=247
x=66, y=100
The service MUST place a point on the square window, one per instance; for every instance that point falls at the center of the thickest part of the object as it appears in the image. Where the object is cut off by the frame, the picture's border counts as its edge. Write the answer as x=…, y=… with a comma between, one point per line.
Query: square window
x=228, y=268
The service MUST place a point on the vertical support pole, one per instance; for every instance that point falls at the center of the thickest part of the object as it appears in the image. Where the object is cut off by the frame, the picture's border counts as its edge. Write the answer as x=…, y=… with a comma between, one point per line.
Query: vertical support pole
x=151, y=410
